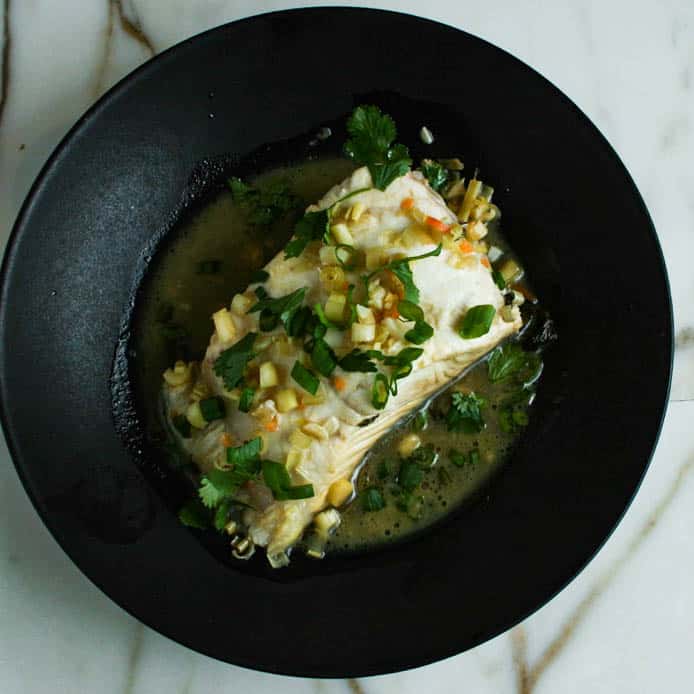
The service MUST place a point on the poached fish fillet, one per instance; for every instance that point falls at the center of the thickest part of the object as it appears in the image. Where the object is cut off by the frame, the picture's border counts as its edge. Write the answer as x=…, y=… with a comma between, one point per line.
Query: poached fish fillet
x=321, y=437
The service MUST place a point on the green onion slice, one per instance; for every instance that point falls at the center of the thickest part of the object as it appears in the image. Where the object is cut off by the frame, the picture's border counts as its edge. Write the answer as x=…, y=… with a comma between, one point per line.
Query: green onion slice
x=380, y=391
x=323, y=358
x=499, y=280
x=372, y=500
x=305, y=378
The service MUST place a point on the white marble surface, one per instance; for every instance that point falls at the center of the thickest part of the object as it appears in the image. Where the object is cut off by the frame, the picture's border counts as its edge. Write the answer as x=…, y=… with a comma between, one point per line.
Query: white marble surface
x=626, y=624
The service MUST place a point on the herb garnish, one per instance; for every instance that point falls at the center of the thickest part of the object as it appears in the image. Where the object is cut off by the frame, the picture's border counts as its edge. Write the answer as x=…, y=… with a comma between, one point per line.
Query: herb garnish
x=371, y=144
x=244, y=464
x=372, y=500
x=264, y=205
x=477, y=321
x=359, y=361
x=283, y=309
x=305, y=378
x=246, y=399
x=278, y=480
x=435, y=173
x=401, y=269
x=465, y=413
x=194, y=514
x=311, y=227
x=511, y=359
x=231, y=363
x=314, y=226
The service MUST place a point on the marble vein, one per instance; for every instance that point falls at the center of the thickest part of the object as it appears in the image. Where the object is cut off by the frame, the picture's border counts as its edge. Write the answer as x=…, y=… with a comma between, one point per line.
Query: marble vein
x=527, y=676
x=6, y=45
x=132, y=27
x=355, y=687
x=134, y=658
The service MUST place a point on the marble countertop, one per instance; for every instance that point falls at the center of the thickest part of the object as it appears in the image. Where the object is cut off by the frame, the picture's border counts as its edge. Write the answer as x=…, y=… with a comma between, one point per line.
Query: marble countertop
x=626, y=624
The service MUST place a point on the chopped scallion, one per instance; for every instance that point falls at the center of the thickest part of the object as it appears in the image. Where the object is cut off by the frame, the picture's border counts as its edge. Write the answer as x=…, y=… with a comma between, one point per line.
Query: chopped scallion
x=372, y=500
x=323, y=358
x=305, y=378
x=499, y=280
x=380, y=391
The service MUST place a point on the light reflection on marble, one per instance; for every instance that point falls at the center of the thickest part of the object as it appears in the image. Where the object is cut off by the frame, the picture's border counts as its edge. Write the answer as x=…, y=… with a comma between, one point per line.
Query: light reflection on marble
x=626, y=624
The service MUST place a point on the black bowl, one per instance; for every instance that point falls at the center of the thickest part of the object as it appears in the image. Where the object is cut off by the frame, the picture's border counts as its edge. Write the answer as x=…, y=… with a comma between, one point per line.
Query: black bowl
x=106, y=199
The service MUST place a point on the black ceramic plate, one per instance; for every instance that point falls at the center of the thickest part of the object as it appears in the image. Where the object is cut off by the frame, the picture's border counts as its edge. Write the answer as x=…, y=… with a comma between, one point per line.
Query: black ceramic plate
x=83, y=240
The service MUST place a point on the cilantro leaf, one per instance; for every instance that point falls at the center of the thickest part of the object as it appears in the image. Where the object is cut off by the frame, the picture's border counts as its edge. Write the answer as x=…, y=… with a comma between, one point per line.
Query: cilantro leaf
x=371, y=144
x=218, y=485
x=357, y=361
x=283, y=308
x=401, y=269
x=396, y=163
x=266, y=204
x=465, y=413
x=221, y=516
x=231, y=363
x=511, y=359
x=311, y=227
x=209, y=493
x=436, y=174
x=372, y=133
x=404, y=356
x=403, y=272
x=194, y=514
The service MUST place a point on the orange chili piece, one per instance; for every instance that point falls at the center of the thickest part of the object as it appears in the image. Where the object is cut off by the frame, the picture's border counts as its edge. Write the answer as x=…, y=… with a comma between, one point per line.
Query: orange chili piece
x=339, y=383
x=437, y=224
x=465, y=246
x=272, y=425
x=407, y=204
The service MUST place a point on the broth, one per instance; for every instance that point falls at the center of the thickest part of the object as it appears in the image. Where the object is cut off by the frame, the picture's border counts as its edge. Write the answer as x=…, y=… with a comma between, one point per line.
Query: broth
x=212, y=258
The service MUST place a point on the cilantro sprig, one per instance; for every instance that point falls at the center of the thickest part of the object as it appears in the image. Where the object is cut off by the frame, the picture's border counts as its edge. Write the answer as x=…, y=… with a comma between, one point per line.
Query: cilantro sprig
x=314, y=226
x=282, y=309
x=465, y=413
x=264, y=205
x=435, y=173
x=232, y=362
x=372, y=134
x=402, y=270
